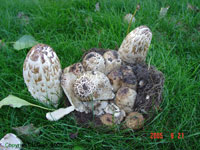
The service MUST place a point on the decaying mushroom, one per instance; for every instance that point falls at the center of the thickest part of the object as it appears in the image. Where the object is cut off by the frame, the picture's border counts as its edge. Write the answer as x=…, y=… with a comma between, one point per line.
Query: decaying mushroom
x=135, y=46
x=134, y=121
x=94, y=62
x=41, y=72
x=125, y=99
x=112, y=60
x=10, y=142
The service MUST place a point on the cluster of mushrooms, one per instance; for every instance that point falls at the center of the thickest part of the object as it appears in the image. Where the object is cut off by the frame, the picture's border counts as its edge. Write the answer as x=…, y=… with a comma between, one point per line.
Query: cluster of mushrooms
x=102, y=83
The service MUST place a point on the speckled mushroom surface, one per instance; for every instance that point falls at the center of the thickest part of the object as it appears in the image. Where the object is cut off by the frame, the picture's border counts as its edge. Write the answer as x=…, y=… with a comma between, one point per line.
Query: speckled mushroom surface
x=94, y=62
x=41, y=72
x=112, y=61
x=93, y=85
x=135, y=46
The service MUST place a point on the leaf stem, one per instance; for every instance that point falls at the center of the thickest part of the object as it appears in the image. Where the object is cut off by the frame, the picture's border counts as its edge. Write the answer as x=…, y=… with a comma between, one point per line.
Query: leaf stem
x=137, y=8
x=51, y=109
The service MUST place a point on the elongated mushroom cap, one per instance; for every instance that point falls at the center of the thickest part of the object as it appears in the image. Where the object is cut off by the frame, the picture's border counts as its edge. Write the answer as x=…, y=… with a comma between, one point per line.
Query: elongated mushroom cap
x=42, y=72
x=94, y=62
x=135, y=46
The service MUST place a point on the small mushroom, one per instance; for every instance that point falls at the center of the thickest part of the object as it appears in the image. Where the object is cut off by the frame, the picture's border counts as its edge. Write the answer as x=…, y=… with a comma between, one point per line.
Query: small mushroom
x=107, y=119
x=93, y=85
x=42, y=72
x=112, y=60
x=94, y=62
x=129, y=79
x=10, y=142
x=125, y=99
x=134, y=121
x=135, y=46
x=115, y=78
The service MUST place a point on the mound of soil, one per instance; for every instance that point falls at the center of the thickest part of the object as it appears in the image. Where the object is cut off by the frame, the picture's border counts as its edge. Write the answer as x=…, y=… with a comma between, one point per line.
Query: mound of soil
x=149, y=92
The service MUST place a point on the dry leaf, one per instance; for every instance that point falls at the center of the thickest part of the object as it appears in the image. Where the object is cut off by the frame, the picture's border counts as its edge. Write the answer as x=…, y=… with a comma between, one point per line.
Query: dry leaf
x=163, y=11
x=97, y=7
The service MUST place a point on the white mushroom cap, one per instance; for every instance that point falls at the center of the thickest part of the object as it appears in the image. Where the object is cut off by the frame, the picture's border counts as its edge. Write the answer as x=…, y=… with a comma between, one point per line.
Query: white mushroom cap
x=125, y=99
x=42, y=72
x=134, y=120
x=135, y=46
x=12, y=140
x=112, y=60
x=94, y=62
x=93, y=85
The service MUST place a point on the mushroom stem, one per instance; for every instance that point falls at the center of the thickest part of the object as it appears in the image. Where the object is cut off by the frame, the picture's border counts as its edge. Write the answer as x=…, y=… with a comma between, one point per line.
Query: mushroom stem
x=59, y=113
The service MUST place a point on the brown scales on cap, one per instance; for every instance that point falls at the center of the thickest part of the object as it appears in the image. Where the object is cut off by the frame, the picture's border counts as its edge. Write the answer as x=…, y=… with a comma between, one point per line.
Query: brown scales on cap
x=135, y=46
x=42, y=71
x=84, y=88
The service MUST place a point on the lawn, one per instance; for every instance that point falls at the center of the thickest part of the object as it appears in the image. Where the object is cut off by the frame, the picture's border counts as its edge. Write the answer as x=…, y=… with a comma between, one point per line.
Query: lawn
x=72, y=26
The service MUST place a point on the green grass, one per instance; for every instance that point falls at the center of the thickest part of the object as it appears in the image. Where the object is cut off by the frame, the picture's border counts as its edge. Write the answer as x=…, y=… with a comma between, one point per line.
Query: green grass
x=61, y=24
